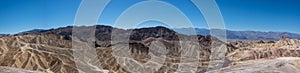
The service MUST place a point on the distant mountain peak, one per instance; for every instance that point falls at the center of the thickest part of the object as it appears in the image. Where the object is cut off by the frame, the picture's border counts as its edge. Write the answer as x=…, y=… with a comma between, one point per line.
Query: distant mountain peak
x=33, y=31
x=242, y=35
x=2, y=35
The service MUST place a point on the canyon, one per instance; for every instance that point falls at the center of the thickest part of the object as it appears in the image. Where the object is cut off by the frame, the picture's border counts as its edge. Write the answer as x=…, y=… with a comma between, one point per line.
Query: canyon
x=148, y=50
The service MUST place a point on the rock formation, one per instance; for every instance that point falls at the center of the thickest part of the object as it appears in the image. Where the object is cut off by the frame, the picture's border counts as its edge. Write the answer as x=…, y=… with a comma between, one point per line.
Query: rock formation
x=51, y=50
x=164, y=50
x=16, y=70
x=286, y=41
x=279, y=65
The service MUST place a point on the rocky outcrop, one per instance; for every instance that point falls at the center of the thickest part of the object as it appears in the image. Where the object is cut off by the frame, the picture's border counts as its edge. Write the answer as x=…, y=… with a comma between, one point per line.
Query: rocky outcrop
x=47, y=53
x=16, y=70
x=270, y=53
x=285, y=47
x=156, y=32
x=279, y=65
x=286, y=41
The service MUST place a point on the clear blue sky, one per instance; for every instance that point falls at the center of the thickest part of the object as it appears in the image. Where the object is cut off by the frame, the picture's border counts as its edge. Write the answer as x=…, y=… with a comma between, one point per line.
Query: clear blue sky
x=257, y=15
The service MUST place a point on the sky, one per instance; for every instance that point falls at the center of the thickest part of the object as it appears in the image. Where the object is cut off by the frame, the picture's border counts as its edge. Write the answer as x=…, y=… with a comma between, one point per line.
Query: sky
x=256, y=15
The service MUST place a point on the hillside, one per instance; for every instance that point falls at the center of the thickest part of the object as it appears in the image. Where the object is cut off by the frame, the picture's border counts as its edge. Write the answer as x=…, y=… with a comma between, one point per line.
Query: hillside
x=52, y=50
x=164, y=50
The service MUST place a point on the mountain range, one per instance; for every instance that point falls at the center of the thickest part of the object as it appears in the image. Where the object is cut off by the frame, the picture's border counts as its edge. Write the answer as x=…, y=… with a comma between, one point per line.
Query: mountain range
x=241, y=35
x=53, y=50
x=2, y=35
x=231, y=35
x=60, y=51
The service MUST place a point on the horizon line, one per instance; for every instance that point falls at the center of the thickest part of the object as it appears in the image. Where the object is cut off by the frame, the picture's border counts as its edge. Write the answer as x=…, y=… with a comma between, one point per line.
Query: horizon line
x=148, y=27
